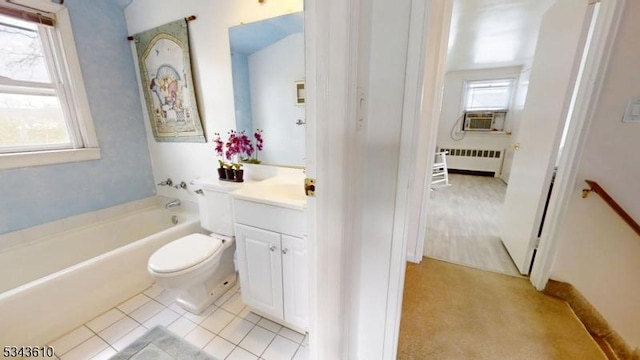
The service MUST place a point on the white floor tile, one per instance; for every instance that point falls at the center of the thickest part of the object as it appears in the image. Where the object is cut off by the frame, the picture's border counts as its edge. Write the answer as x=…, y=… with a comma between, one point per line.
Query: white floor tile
x=223, y=299
x=269, y=325
x=249, y=316
x=167, y=297
x=203, y=315
x=129, y=338
x=177, y=309
x=163, y=318
x=199, y=337
x=105, y=320
x=217, y=321
x=153, y=291
x=182, y=326
x=280, y=349
x=86, y=350
x=241, y=354
x=135, y=302
x=146, y=311
x=219, y=348
x=257, y=340
x=236, y=330
x=119, y=329
x=105, y=354
x=291, y=335
x=234, y=304
x=72, y=339
x=302, y=353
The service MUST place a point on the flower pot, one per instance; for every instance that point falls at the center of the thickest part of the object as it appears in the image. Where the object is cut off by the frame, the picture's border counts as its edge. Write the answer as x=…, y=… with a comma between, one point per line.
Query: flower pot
x=229, y=173
x=239, y=174
x=222, y=174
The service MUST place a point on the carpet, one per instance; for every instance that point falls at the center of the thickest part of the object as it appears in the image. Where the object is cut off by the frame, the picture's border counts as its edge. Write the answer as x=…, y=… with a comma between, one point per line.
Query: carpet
x=454, y=312
x=160, y=344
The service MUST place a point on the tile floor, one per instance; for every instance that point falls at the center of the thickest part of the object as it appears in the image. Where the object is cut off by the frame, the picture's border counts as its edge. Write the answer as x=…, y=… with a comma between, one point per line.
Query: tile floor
x=226, y=330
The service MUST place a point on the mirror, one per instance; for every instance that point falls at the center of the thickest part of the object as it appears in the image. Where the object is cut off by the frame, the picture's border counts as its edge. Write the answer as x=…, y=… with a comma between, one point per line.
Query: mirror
x=267, y=59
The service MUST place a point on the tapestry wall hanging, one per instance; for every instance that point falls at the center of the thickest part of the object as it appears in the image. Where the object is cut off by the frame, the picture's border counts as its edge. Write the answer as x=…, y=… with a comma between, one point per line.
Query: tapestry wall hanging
x=165, y=72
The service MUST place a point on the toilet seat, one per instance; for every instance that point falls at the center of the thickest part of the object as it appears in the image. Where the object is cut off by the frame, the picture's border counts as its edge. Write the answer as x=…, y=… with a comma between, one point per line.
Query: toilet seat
x=185, y=253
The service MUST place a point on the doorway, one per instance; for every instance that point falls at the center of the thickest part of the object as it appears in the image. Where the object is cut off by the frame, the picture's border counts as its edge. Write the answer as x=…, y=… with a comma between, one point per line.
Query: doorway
x=490, y=50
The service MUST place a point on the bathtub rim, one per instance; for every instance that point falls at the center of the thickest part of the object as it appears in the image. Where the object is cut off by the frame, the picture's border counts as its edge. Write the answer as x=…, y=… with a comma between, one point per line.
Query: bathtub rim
x=190, y=219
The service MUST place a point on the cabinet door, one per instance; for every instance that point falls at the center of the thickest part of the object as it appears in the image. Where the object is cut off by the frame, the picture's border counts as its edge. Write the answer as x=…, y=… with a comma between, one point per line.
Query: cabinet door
x=295, y=280
x=260, y=267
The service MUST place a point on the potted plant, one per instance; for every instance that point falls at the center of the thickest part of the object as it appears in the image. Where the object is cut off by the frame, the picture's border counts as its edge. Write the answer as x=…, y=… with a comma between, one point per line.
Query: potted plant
x=236, y=146
x=219, y=149
x=249, y=148
x=238, y=149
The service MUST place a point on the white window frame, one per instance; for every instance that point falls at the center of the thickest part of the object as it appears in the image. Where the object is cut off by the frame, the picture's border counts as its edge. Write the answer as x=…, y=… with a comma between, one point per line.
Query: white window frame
x=468, y=83
x=73, y=96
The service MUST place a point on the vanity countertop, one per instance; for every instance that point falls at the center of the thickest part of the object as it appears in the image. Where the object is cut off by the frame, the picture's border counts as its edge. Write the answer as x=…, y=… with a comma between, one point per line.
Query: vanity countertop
x=283, y=191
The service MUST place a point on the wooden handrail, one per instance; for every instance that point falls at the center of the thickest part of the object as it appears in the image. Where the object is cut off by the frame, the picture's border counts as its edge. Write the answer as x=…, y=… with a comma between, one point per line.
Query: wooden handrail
x=595, y=187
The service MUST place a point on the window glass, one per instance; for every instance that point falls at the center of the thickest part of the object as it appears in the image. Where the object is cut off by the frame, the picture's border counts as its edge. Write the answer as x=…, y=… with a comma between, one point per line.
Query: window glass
x=32, y=116
x=488, y=94
x=31, y=120
x=21, y=54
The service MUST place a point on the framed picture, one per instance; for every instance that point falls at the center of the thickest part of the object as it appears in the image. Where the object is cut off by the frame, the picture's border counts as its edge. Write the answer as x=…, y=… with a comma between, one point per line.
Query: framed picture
x=167, y=83
x=299, y=92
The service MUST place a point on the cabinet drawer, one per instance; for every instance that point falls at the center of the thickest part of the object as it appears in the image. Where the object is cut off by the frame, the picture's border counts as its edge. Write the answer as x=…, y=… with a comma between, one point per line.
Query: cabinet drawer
x=268, y=217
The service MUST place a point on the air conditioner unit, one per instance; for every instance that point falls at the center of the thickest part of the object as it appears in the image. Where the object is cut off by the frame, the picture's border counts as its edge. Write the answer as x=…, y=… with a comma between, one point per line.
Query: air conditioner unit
x=485, y=120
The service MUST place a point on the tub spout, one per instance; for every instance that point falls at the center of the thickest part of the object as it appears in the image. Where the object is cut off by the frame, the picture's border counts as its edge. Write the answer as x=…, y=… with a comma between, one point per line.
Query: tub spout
x=173, y=203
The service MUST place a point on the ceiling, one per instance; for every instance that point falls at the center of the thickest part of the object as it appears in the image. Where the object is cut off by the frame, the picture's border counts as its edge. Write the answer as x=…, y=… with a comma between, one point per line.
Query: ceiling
x=493, y=33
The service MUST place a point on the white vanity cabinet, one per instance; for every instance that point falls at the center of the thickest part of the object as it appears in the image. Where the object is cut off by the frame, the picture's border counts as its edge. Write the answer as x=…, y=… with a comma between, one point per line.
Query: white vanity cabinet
x=273, y=265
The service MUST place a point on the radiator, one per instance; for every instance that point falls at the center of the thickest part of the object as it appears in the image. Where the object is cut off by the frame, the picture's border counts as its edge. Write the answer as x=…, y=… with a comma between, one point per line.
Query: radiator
x=484, y=160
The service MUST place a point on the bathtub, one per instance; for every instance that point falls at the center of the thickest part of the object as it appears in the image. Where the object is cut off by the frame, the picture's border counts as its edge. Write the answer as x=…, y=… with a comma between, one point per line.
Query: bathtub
x=54, y=284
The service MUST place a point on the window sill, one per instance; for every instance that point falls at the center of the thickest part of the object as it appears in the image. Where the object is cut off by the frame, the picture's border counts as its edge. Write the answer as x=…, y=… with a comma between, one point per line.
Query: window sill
x=37, y=158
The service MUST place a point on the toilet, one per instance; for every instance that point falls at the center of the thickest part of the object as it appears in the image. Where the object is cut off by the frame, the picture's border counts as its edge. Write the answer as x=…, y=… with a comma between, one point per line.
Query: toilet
x=199, y=267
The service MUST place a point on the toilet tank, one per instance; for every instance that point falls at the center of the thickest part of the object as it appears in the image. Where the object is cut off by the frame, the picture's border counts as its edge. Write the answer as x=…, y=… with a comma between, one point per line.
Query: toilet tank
x=214, y=203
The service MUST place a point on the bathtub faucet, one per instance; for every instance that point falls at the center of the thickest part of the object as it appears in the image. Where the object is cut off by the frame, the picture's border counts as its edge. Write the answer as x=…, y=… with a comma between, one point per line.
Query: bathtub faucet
x=173, y=203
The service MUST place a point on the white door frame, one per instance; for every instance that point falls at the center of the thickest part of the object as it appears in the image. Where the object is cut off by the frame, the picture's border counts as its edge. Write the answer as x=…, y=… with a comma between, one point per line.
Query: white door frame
x=595, y=64
x=426, y=120
x=331, y=31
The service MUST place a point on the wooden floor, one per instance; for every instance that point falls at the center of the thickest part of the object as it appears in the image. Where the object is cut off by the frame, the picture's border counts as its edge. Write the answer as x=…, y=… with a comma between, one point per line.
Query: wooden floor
x=463, y=224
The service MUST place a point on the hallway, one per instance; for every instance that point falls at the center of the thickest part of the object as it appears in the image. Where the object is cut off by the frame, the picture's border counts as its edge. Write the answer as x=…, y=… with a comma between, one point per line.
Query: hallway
x=455, y=312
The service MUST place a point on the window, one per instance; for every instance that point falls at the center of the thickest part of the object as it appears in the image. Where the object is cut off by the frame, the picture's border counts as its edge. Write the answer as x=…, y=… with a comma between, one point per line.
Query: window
x=44, y=114
x=488, y=94
x=485, y=104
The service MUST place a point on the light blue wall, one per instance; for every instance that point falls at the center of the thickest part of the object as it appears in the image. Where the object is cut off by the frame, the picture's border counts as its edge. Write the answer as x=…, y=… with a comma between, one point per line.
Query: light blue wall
x=31, y=196
x=242, y=92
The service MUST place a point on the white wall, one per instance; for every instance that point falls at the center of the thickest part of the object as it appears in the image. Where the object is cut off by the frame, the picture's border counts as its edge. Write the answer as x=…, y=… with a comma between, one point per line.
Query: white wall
x=273, y=72
x=452, y=110
x=387, y=59
x=597, y=252
x=211, y=62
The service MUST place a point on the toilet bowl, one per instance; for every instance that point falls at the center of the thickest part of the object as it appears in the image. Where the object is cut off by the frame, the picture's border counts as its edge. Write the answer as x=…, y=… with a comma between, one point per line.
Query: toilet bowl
x=198, y=268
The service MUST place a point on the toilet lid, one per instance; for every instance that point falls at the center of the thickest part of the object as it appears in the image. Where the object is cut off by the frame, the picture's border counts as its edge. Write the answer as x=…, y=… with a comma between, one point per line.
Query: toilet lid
x=184, y=253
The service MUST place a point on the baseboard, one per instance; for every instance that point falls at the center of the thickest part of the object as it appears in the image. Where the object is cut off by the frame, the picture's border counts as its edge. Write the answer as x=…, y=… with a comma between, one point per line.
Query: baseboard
x=609, y=341
x=472, y=172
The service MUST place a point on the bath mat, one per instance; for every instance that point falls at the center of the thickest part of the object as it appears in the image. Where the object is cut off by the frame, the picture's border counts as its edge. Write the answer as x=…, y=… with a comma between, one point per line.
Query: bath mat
x=160, y=344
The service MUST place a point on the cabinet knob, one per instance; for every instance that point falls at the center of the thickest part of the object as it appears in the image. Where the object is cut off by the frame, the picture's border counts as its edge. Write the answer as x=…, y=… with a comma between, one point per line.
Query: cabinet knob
x=272, y=247
x=285, y=251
